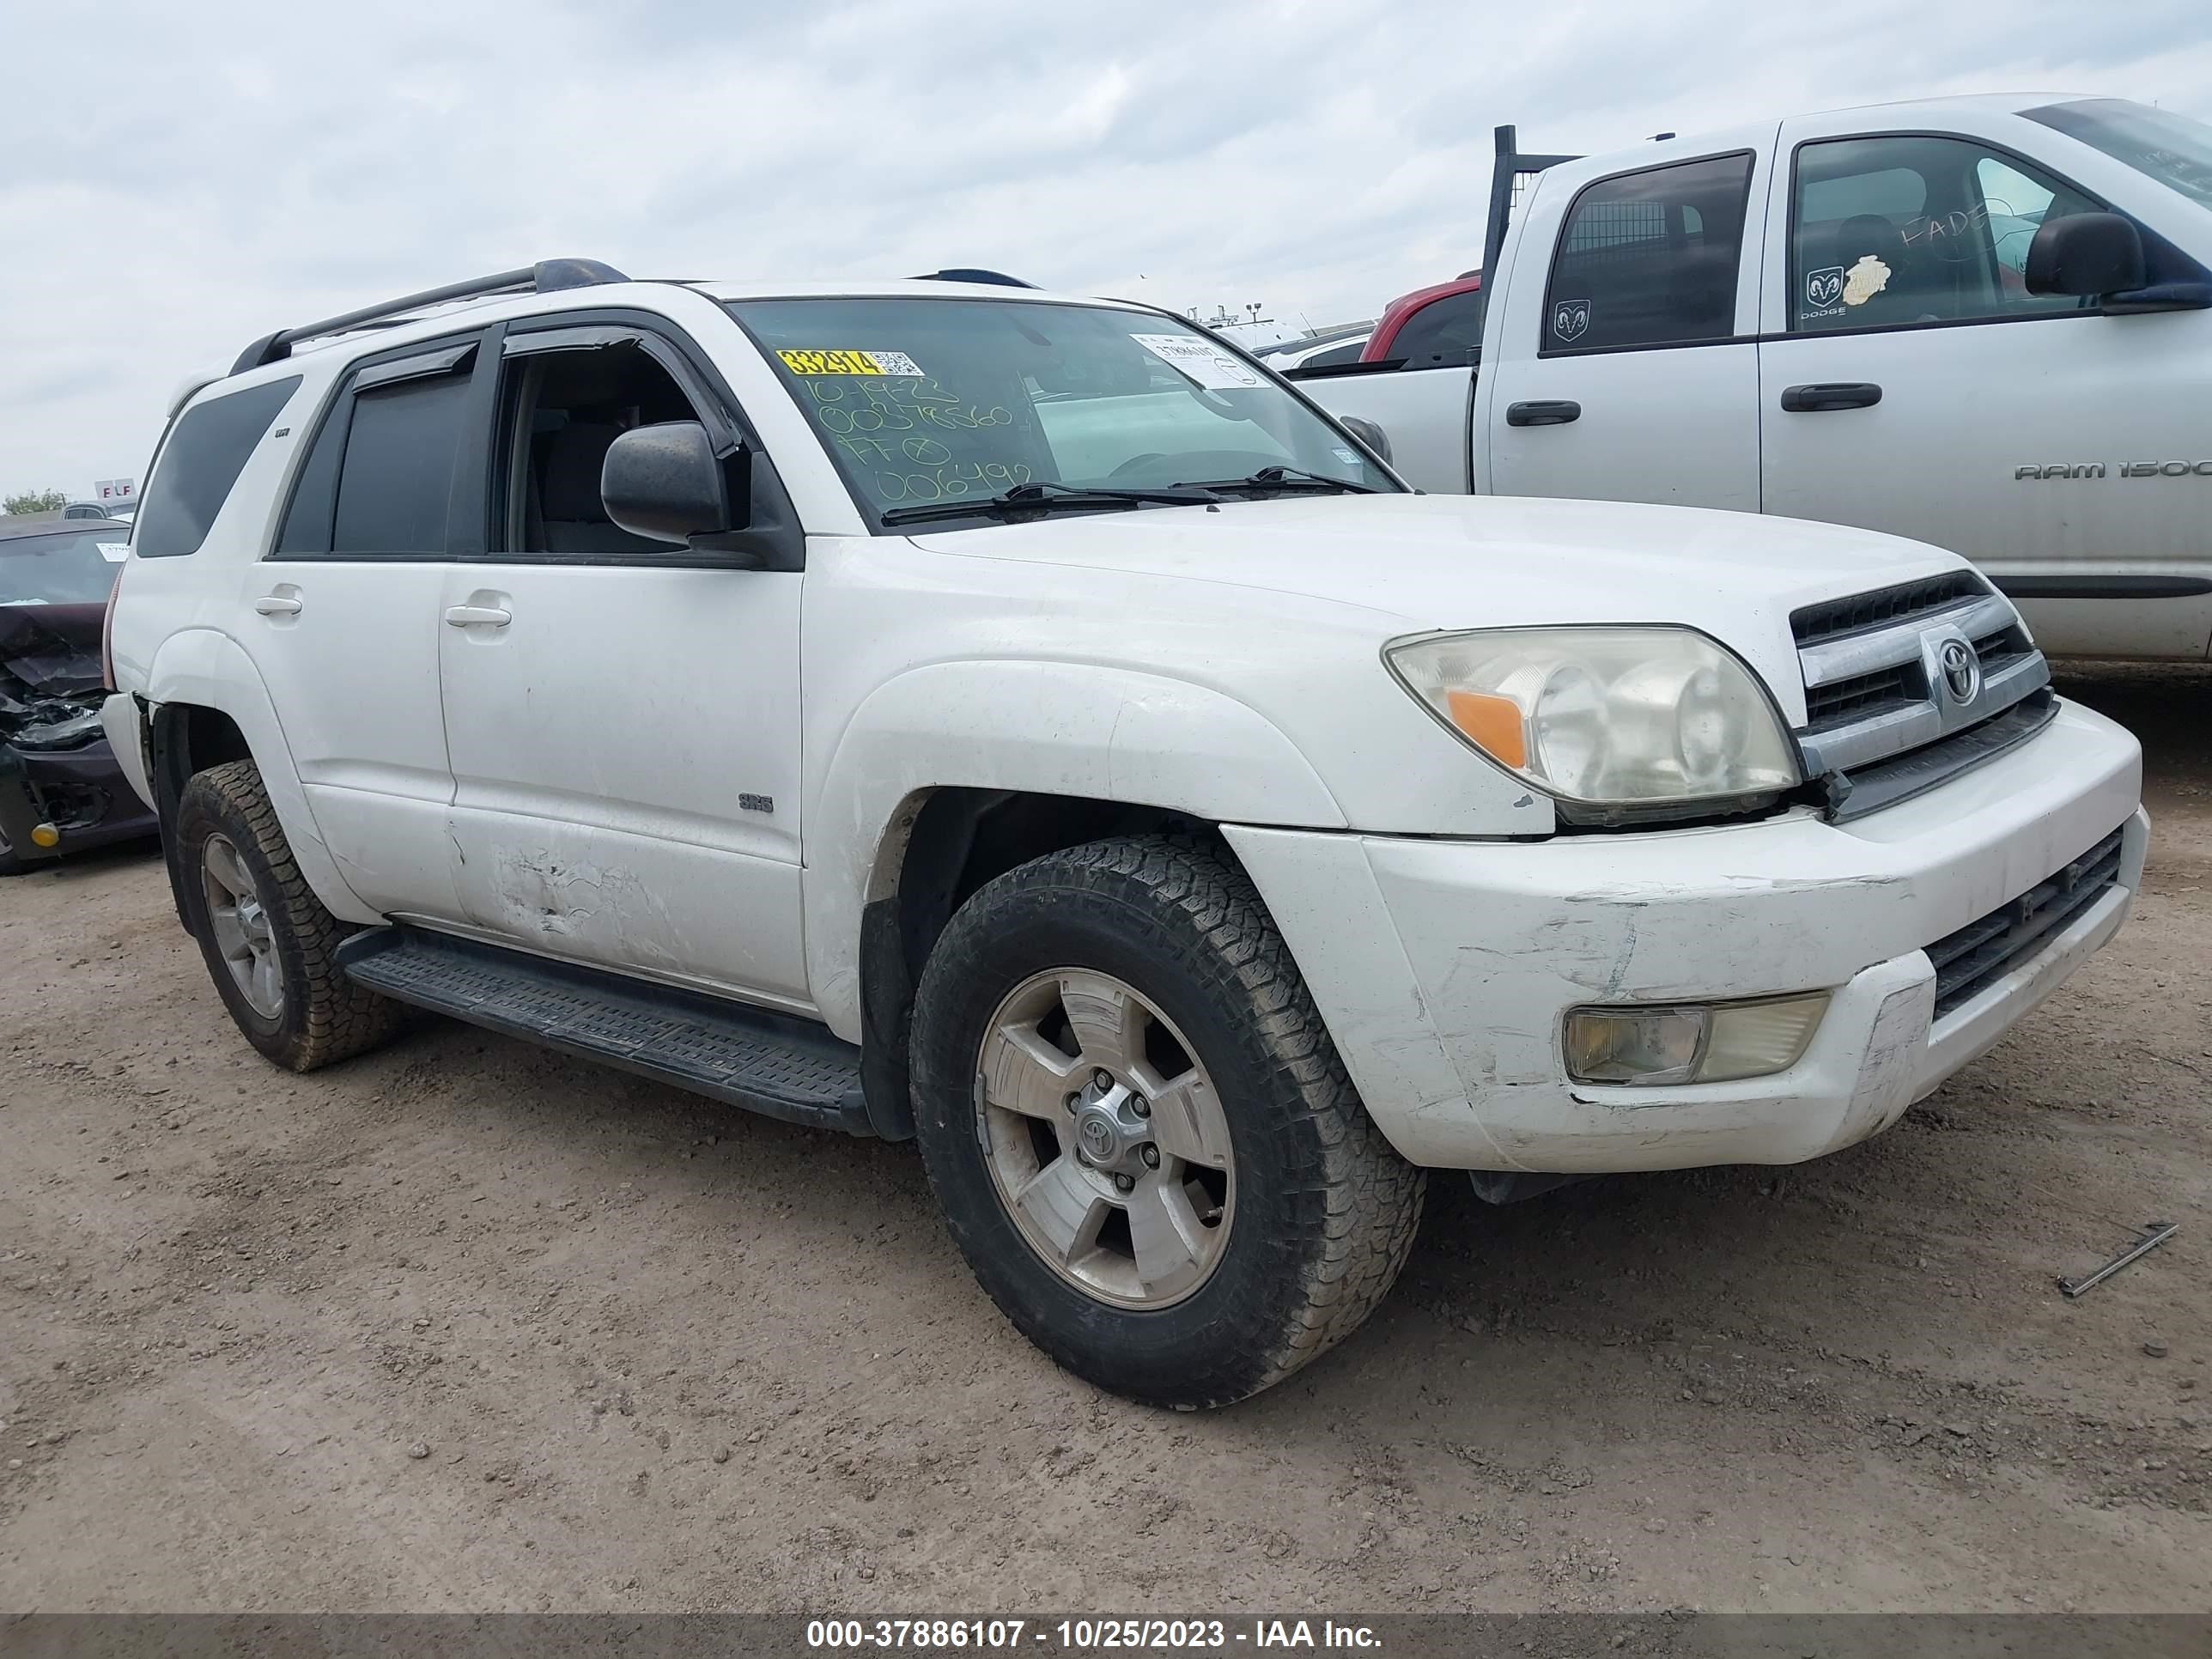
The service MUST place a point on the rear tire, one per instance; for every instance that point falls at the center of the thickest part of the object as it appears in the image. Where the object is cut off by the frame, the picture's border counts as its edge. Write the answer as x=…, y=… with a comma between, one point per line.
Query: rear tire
x=270, y=944
x=1111, y=976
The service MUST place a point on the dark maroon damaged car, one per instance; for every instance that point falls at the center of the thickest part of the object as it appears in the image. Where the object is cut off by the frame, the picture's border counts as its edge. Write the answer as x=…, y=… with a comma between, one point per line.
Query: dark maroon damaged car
x=60, y=789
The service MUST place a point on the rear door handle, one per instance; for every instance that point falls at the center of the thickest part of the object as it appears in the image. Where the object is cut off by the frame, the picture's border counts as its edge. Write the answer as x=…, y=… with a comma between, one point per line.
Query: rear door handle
x=478, y=616
x=1556, y=412
x=1830, y=394
x=276, y=605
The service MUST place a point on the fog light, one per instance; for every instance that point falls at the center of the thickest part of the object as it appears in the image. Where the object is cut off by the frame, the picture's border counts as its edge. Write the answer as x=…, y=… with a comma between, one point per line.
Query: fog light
x=44, y=835
x=1691, y=1042
x=1635, y=1045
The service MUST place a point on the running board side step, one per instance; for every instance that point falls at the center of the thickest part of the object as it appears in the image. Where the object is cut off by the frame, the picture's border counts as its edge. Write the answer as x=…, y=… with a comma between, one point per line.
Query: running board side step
x=775, y=1064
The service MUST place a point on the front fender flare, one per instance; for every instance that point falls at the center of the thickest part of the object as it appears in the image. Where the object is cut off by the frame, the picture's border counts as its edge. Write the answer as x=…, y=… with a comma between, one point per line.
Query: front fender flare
x=1050, y=728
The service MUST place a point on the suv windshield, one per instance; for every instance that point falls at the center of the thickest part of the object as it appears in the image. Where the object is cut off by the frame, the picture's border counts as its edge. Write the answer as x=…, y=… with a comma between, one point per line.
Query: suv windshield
x=2172, y=148
x=928, y=401
x=66, y=568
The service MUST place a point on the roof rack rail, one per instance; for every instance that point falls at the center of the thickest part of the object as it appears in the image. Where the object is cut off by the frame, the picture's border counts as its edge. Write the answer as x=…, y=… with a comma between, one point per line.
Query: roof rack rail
x=1505, y=176
x=971, y=274
x=546, y=276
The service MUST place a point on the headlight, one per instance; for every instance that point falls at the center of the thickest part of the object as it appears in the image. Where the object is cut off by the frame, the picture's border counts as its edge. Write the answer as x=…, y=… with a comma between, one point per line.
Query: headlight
x=1611, y=719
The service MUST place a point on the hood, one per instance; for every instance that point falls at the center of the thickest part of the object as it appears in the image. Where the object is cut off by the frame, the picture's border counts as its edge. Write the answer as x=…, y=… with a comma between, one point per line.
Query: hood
x=52, y=648
x=50, y=675
x=1423, y=562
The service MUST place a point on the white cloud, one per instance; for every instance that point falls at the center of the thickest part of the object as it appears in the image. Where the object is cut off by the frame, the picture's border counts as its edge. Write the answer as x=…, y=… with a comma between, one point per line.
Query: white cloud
x=206, y=173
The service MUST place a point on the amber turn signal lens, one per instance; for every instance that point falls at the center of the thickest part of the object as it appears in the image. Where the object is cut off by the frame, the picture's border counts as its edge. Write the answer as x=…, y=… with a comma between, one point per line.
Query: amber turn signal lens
x=1491, y=723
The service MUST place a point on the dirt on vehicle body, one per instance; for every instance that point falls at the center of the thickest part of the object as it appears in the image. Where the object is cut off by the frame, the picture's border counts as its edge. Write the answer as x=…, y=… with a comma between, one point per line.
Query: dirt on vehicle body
x=461, y=1325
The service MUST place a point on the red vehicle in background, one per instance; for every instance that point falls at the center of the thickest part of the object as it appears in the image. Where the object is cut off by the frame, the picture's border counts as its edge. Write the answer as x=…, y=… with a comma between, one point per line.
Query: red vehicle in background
x=1431, y=326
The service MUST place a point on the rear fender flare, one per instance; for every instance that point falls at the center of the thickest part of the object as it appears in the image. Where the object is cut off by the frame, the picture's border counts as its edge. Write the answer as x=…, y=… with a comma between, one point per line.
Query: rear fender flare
x=210, y=669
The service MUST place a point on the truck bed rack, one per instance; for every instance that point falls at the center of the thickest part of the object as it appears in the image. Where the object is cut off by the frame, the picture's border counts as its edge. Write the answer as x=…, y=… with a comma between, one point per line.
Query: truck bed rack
x=1505, y=176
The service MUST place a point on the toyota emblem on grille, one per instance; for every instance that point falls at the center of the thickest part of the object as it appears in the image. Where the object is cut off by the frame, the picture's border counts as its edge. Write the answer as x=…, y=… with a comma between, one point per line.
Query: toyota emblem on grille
x=1962, y=669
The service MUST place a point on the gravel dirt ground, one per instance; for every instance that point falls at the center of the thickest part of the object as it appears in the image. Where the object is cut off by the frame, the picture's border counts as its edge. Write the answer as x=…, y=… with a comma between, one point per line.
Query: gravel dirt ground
x=466, y=1325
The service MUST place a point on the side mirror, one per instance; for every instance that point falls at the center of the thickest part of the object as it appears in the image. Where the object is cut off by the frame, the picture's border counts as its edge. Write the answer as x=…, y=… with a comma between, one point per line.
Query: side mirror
x=2088, y=254
x=665, y=483
x=1368, y=433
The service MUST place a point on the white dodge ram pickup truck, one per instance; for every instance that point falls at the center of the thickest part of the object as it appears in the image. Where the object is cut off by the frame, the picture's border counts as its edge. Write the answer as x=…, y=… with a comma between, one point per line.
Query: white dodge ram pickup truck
x=1979, y=322
x=947, y=710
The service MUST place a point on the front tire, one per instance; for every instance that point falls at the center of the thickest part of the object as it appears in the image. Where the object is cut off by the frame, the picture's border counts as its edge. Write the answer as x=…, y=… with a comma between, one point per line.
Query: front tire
x=270, y=944
x=1140, y=1132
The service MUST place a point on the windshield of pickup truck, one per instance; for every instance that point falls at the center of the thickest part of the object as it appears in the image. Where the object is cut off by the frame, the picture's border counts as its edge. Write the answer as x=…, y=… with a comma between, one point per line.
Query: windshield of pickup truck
x=2172, y=148
x=67, y=567
x=926, y=405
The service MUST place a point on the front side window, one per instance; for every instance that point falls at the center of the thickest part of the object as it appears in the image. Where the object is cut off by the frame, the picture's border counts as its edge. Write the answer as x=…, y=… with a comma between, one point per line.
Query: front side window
x=560, y=412
x=205, y=454
x=921, y=402
x=71, y=567
x=1909, y=230
x=2171, y=149
x=1650, y=258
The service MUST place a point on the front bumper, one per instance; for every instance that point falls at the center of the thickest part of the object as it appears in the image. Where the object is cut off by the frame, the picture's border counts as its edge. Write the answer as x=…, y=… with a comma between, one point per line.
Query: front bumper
x=1444, y=968
x=83, y=791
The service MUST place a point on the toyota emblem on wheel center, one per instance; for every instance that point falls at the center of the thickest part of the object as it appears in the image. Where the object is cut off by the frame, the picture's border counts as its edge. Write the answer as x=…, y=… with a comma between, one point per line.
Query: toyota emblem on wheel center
x=1962, y=669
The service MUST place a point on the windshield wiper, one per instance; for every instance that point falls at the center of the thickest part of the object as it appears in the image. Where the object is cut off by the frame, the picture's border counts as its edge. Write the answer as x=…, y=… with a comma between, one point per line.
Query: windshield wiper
x=1284, y=477
x=1049, y=496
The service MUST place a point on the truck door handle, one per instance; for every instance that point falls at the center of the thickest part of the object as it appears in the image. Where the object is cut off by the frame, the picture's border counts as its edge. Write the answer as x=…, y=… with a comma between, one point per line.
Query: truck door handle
x=1830, y=394
x=1551, y=411
x=478, y=616
x=276, y=605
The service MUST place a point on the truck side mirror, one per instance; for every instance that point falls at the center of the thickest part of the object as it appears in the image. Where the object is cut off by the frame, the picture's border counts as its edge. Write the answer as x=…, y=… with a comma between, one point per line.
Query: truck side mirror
x=2088, y=254
x=664, y=483
x=1368, y=434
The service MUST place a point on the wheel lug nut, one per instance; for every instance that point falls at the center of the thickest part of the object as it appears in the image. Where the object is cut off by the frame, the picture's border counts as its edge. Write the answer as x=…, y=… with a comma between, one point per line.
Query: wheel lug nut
x=1142, y=1107
x=1125, y=1183
x=1073, y=1101
x=1152, y=1156
x=1103, y=1080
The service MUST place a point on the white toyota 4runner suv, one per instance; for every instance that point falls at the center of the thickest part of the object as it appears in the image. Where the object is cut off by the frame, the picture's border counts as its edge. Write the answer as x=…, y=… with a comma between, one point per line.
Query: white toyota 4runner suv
x=1022, y=724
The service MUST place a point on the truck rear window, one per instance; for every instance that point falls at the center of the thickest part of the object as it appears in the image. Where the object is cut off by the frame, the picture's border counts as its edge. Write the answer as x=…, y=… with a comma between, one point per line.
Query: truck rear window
x=206, y=451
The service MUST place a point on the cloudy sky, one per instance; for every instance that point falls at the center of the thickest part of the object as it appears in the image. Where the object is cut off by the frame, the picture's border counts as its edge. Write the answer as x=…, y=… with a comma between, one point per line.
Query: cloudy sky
x=176, y=179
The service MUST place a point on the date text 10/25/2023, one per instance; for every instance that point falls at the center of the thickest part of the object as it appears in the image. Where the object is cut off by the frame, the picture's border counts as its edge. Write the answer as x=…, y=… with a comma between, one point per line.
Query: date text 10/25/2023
x=1091, y=1634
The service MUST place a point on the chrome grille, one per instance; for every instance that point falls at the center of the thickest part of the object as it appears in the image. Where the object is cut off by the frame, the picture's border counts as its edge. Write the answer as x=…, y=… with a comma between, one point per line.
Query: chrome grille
x=1884, y=720
x=1989, y=946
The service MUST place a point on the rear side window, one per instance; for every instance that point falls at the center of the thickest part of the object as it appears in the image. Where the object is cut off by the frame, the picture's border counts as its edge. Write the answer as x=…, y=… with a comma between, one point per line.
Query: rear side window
x=1443, y=332
x=1650, y=258
x=377, y=481
x=200, y=463
x=395, y=483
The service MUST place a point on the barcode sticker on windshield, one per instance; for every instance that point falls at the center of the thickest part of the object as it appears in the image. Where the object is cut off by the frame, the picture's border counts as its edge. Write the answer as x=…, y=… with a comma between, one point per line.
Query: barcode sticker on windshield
x=851, y=363
x=1213, y=367
x=113, y=552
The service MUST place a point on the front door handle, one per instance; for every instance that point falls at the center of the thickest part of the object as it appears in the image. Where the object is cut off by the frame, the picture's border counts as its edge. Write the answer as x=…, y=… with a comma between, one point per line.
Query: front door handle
x=477, y=616
x=1551, y=411
x=1830, y=394
x=276, y=605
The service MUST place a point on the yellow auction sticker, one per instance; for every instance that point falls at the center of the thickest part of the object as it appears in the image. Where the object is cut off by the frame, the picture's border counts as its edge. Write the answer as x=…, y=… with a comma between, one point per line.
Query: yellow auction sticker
x=850, y=362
